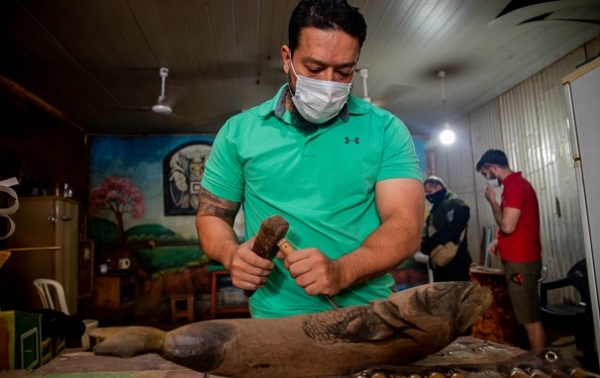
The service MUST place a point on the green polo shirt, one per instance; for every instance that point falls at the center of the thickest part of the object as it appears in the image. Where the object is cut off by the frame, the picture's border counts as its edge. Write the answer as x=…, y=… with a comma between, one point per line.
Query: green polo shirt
x=322, y=183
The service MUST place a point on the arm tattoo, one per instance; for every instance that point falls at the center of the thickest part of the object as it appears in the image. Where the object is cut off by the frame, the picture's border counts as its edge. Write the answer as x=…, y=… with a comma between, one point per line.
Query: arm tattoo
x=209, y=204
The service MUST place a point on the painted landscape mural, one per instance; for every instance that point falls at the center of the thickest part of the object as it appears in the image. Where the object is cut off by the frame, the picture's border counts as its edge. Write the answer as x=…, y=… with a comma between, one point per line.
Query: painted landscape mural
x=142, y=206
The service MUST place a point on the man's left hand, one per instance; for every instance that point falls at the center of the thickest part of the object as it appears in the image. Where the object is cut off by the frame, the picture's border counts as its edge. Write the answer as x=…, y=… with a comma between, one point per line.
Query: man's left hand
x=314, y=271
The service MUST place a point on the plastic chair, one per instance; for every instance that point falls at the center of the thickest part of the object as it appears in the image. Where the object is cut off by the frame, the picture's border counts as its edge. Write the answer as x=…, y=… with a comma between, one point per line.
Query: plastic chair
x=52, y=296
x=577, y=316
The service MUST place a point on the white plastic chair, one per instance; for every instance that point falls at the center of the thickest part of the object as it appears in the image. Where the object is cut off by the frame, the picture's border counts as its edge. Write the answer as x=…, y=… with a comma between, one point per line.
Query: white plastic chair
x=52, y=296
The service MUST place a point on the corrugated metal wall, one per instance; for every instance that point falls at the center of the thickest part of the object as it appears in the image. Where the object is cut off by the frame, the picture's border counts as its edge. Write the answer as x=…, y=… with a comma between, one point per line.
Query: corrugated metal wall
x=528, y=122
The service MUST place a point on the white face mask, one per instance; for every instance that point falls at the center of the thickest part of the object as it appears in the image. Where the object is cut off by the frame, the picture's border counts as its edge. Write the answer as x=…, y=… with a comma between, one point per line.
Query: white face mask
x=318, y=101
x=494, y=183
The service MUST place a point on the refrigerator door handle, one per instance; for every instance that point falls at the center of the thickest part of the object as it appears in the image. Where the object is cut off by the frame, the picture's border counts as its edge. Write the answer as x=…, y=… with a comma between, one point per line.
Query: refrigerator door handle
x=65, y=218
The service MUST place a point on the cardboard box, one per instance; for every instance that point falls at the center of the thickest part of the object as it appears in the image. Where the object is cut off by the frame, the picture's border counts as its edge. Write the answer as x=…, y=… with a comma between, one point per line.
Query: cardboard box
x=21, y=336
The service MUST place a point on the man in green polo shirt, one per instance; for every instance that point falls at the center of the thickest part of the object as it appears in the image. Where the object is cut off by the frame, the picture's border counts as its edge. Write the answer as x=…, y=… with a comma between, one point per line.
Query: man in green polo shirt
x=342, y=172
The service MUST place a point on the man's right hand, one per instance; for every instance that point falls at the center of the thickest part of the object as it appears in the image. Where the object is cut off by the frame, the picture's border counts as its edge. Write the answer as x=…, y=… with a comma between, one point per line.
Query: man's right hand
x=492, y=248
x=248, y=270
x=490, y=194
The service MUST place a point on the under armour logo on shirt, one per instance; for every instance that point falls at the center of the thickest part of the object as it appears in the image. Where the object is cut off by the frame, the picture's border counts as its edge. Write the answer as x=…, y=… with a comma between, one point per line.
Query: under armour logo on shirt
x=347, y=140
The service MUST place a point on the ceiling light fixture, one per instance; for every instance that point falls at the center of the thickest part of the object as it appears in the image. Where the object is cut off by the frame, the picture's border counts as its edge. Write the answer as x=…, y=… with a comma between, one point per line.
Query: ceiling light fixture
x=447, y=136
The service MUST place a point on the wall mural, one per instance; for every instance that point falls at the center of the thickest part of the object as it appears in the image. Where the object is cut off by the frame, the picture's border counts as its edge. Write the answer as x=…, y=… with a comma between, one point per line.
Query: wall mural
x=118, y=196
x=182, y=171
x=143, y=198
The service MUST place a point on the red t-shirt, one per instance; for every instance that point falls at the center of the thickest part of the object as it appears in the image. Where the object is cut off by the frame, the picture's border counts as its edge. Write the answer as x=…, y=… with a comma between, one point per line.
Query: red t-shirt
x=523, y=244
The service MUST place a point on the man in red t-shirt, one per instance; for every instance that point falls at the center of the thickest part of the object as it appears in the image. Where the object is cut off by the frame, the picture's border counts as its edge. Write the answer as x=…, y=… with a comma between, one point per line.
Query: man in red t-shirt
x=518, y=240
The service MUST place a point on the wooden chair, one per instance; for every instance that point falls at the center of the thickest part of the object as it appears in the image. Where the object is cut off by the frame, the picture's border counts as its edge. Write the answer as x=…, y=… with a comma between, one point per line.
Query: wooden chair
x=52, y=296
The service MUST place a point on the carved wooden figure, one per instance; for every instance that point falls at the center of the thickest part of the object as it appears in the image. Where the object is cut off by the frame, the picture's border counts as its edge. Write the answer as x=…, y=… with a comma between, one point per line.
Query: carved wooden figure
x=408, y=326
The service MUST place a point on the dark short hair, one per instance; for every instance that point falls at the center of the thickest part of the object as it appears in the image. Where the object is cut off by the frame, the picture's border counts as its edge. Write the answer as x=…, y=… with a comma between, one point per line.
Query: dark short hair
x=326, y=15
x=434, y=181
x=490, y=157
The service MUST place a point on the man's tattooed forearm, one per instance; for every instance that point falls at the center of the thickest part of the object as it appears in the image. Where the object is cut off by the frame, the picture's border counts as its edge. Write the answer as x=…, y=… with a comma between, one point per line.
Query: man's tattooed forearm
x=209, y=204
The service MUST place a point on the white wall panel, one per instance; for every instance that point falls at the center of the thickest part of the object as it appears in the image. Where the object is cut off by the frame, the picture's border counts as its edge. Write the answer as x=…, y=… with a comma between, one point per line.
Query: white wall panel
x=486, y=133
x=456, y=164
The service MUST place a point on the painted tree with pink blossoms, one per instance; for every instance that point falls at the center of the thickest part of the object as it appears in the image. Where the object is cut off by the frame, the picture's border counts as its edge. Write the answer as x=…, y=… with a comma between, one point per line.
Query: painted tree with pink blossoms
x=119, y=196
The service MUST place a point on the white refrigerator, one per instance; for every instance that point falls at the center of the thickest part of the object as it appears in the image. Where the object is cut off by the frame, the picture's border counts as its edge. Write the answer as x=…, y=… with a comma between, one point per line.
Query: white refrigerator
x=582, y=90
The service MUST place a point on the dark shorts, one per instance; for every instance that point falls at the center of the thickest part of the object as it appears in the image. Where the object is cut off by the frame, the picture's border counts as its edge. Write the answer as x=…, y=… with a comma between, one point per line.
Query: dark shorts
x=522, y=280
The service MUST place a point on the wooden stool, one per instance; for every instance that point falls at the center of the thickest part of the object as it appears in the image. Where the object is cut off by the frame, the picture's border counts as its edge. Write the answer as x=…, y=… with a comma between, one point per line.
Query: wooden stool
x=185, y=311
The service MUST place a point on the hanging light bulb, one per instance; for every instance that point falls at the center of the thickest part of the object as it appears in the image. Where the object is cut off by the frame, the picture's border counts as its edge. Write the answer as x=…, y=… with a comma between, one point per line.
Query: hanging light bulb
x=447, y=136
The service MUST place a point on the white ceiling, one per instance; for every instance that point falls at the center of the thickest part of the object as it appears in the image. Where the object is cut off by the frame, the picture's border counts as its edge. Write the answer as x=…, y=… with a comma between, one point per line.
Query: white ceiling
x=97, y=61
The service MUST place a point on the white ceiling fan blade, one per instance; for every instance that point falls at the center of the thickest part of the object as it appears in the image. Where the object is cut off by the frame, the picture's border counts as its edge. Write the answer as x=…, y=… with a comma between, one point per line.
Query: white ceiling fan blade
x=392, y=94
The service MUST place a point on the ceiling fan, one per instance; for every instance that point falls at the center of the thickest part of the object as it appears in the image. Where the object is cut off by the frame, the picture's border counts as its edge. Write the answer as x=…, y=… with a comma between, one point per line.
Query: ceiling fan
x=364, y=73
x=161, y=107
x=391, y=95
x=164, y=104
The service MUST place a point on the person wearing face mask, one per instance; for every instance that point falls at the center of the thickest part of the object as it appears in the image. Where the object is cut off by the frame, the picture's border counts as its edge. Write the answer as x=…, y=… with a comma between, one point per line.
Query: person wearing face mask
x=517, y=240
x=341, y=171
x=447, y=222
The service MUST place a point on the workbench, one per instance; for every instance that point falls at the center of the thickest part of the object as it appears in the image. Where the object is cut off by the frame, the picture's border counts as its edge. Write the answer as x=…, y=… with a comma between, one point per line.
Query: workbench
x=465, y=350
x=466, y=357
